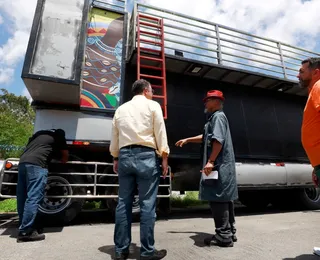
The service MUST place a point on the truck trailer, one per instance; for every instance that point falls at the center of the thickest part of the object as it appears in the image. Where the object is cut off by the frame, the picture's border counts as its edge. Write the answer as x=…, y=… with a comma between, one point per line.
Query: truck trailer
x=81, y=61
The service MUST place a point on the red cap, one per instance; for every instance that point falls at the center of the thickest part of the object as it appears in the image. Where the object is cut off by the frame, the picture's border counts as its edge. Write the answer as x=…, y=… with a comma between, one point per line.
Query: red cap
x=214, y=94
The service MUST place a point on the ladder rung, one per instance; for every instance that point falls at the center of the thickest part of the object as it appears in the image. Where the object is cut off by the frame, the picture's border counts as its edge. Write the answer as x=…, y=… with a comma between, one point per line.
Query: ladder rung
x=152, y=42
x=149, y=17
x=150, y=24
x=151, y=33
x=156, y=86
x=157, y=96
x=150, y=76
x=151, y=58
x=149, y=50
x=150, y=67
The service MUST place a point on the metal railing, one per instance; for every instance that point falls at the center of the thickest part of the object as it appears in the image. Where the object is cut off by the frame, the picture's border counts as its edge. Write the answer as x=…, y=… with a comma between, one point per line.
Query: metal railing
x=204, y=41
x=89, y=179
x=113, y=4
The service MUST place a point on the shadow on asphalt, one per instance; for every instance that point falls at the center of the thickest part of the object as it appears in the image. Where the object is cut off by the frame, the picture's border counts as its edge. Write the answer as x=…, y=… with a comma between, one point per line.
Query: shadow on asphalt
x=105, y=217
x=134, y=251
x=197, y=237
x=303, y=257
x=10, y=224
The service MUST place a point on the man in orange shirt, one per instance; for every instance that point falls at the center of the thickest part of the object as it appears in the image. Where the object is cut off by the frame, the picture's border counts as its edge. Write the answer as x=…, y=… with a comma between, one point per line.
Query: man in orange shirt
x=309, y=77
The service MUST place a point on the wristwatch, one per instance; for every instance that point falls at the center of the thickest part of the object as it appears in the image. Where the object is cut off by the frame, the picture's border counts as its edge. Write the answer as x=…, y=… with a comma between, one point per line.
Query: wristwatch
x=210, y=161
x=115, y=158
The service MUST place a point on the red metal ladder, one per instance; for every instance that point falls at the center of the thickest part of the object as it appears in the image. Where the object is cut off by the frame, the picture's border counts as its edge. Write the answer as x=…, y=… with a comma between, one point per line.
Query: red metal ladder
x=151, y=56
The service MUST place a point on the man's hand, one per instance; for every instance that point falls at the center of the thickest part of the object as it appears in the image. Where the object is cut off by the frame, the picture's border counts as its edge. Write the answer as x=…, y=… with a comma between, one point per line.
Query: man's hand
x=164, y=167
x=182, y=142
x=208, y=168
x=115, y=166
x=315, y=179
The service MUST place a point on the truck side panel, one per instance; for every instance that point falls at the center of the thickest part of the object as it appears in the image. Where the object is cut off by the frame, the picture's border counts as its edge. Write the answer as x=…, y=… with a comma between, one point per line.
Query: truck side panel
x=265, y=124
x=77, y=125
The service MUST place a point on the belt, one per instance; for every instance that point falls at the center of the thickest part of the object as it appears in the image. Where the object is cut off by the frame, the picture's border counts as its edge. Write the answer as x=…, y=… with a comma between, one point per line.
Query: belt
x=136, y=146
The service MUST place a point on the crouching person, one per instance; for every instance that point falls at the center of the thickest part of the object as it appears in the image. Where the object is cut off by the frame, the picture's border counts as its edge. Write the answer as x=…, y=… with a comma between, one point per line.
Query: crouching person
x=32, y=179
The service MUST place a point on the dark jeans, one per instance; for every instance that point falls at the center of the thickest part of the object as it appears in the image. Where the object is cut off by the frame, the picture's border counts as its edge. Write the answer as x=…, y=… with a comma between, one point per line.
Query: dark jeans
x=32, y=180
x=137, y=166
x=223, y=215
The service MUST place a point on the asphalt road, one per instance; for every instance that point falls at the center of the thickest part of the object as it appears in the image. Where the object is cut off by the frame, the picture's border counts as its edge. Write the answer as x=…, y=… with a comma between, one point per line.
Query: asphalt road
x=272, y=235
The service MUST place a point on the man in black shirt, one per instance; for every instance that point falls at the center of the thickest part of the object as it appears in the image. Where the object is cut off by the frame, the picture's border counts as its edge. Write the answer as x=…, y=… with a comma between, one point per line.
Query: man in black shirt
x=32, y=178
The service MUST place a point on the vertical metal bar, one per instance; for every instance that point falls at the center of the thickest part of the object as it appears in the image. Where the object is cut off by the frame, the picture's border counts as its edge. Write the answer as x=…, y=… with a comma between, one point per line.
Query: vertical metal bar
x=138, y=45
x=282, y=60
x=95, y=179
x=164, y=80
x=219, y=45
x=2, y=175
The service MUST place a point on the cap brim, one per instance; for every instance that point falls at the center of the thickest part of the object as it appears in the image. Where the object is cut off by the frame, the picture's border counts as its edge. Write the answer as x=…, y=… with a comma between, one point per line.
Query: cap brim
x=221, y=98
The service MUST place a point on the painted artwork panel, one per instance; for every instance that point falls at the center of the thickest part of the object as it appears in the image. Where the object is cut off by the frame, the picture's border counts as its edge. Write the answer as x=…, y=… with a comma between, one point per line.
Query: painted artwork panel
x=101, y=75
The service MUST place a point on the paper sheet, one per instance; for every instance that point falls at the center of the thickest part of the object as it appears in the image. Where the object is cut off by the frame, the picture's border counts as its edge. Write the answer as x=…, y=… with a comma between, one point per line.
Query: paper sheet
x=213, y=175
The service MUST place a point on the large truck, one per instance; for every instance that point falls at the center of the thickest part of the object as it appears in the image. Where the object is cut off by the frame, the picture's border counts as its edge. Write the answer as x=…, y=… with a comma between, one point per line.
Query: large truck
x=81, y=61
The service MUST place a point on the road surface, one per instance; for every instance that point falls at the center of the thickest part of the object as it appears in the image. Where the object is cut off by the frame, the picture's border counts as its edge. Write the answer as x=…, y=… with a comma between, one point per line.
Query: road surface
x=270, y=236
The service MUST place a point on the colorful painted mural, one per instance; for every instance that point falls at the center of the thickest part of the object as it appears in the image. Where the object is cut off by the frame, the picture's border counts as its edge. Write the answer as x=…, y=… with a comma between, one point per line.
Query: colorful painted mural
x=101, y=75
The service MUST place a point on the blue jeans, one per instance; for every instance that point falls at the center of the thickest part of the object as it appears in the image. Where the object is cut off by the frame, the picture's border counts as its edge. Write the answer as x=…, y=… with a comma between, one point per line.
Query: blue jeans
x=137, y=166
x=32, y=180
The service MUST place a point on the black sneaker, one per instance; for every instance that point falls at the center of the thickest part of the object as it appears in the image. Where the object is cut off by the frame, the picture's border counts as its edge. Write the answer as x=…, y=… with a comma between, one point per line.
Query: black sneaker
x=234, y=238
x=156, y=256
x=28, y=237
x=208, y=241
x=122, y=256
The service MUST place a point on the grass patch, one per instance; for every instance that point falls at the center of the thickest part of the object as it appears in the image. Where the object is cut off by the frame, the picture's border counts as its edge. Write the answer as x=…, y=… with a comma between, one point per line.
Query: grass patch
x=189, y=200
x=8, y=205
x=92, y=205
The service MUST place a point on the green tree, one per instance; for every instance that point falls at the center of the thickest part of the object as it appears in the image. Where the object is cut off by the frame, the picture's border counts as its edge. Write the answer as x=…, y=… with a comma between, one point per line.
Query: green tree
x=16, y=123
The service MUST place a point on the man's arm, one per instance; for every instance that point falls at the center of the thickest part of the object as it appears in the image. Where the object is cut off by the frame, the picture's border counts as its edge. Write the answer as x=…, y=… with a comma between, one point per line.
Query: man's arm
x=114, y=144
x=315, y=98
x=195, y=139
x=64, y=156
x=160, y=132
x=216, y=148
x=62, y=144
x=219, y=124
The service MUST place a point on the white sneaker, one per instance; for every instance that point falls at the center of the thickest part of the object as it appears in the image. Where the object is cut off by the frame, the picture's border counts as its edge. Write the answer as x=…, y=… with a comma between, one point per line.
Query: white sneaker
x=316, y=251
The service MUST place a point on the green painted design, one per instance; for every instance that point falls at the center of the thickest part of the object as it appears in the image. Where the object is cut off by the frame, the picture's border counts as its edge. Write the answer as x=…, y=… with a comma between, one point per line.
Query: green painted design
x=112, y=100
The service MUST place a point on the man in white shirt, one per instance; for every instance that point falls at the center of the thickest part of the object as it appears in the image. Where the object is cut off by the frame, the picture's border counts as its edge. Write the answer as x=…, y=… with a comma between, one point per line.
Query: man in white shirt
x=139, y=140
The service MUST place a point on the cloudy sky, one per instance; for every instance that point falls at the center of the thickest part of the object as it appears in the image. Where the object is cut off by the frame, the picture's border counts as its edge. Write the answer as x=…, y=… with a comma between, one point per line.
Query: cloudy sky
x=294, y=22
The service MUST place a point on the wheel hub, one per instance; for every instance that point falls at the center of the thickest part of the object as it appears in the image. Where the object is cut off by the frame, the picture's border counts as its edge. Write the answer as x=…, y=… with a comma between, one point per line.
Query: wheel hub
x=312, y=193
x=56, y=186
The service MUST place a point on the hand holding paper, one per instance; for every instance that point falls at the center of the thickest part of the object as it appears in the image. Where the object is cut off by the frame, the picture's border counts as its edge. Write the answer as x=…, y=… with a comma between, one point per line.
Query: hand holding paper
x=212, y=175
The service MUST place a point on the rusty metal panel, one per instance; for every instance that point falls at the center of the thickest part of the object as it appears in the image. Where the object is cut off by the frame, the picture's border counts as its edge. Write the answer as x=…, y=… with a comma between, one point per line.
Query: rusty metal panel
x=58, y=39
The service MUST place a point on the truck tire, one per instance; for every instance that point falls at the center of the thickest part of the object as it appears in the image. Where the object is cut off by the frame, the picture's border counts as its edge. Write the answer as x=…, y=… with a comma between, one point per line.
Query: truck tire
x=254, y=200
x=308, y=198
x=57, y=212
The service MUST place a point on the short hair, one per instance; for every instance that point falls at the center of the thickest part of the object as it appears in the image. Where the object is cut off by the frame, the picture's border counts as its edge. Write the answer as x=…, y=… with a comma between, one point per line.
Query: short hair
x=60, y=132
x=314, y=62
x=139, y=85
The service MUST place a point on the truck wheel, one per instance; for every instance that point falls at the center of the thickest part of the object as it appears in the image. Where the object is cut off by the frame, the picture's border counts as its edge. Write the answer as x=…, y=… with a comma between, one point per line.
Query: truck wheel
x=309, y=198
x=60, y=211
x=254, y=200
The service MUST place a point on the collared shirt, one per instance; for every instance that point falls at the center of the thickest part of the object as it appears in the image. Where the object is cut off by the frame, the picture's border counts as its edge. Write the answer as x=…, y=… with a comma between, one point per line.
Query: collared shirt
x=310, y=131
x=139, y=122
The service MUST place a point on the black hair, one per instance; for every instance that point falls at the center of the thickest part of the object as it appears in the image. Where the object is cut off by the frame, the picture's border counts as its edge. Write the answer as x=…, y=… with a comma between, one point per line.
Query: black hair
x=314, y=62
x=60, y=132
x=139, y=85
